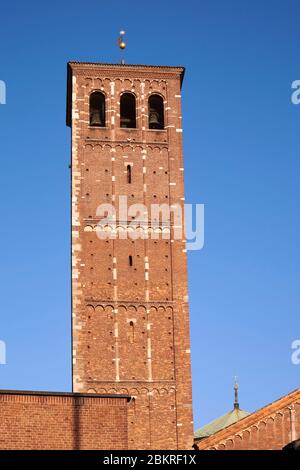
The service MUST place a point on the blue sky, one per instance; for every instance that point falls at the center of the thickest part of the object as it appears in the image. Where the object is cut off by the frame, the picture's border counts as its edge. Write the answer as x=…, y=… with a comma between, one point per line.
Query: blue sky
x=241, y=146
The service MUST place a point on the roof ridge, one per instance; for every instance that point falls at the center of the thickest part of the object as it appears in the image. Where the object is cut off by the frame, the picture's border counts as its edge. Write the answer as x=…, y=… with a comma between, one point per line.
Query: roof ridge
x=220, y=419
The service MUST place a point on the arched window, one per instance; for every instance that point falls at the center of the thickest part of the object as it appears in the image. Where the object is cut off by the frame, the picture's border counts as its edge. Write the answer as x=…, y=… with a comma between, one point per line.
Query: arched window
x=127, y=111
x=97, y=109
x=156, y=112
x=129, y=174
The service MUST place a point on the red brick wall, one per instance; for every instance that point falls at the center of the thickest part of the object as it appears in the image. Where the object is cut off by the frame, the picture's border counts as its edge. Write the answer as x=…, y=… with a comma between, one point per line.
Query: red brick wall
x=270, y=428
x=62, y=421
x=107, y=293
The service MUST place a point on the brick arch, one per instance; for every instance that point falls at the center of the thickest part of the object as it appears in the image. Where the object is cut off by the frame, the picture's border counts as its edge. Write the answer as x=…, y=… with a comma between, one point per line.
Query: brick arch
x=127, y=84
x=98, y=82
x=142, y=309
x=229, y=443
x=156, y=92
x=117, y=148
x=131, y=308
x=88, y=147
x=107, y=147
x=90, y=308
x=98, y=147
x=99, y=309
x=89, y=228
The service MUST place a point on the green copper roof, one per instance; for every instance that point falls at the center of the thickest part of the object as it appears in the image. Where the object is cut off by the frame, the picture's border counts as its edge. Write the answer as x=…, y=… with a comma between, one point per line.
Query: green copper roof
x=220, y=423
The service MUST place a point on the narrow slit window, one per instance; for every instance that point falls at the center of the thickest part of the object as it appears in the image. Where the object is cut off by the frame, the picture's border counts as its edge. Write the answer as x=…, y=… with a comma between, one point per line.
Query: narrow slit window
x=129, y=175
x=130, y=260
x=131, y=332
x=97, y=109
x=128, y=111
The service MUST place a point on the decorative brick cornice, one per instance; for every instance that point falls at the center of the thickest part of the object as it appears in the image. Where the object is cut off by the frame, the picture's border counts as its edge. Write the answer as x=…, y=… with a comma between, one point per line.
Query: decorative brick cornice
x=136, y=303
x=62, y=397
x=125, y=142
x=128, y=70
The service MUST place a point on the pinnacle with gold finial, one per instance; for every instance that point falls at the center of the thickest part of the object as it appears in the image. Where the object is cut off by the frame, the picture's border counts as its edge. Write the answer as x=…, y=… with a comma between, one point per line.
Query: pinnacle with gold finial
x=122, y=45
x=236, y=394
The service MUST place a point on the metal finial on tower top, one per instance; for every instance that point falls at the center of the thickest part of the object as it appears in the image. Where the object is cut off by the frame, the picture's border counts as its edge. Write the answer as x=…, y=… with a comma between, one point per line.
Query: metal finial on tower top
x=122, y=45
x=236, y=394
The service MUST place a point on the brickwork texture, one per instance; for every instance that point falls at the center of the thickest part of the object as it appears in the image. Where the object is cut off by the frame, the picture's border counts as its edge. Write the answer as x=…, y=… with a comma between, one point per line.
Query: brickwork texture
x=35, y=420
x=130, y=322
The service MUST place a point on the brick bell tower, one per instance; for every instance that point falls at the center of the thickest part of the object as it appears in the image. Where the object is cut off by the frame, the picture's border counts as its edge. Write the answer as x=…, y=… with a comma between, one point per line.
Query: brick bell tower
x=130, y=321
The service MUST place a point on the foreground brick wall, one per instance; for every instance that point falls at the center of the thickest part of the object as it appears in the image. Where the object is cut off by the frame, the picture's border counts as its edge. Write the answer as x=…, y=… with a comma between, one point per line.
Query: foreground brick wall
x=271, y=428
x=33, y=420
x=130, y=323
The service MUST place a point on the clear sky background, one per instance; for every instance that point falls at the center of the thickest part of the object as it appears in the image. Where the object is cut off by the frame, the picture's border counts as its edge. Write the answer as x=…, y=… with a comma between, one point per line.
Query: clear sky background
x=242, y=150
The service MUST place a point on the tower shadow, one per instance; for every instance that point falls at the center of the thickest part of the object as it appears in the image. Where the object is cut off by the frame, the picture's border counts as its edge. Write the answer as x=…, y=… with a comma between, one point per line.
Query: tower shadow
x=76, y=408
